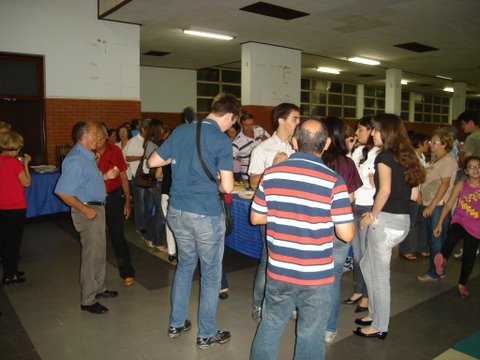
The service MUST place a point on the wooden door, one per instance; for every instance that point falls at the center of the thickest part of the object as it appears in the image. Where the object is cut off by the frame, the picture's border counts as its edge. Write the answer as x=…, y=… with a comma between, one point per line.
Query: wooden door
x=22, y=101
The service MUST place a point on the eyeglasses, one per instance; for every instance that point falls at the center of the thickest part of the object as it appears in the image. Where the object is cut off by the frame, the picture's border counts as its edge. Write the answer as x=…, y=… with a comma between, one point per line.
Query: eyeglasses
x=471, y=167
x=434, y=142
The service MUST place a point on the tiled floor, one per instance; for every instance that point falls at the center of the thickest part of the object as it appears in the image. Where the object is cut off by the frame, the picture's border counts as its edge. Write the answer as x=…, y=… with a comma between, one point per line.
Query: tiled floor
x=42, y=317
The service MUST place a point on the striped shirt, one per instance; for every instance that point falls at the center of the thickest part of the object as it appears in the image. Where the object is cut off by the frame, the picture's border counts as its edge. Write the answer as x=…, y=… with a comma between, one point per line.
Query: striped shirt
x=243, y=146
x=302, y=199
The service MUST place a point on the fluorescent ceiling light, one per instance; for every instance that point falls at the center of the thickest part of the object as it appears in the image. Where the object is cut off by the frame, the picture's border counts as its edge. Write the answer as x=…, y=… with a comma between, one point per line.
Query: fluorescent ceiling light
x=448, y=89
x=328, y=70
x=404, y=82
x=212, y=34
x=444, y=77
x=364, y=61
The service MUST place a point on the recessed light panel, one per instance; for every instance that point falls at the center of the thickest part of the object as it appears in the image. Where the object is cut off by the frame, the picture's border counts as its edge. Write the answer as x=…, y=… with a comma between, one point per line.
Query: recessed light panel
x=275, y=11
x=156, y=53
x=416, y=47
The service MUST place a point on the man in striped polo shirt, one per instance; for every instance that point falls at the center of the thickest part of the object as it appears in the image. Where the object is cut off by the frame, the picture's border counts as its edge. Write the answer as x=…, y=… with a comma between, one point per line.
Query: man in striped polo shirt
x=250, y=136
x=302, y=202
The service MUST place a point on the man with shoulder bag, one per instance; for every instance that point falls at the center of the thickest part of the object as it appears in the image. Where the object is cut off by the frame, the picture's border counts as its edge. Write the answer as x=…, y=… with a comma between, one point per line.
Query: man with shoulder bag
x=195, y=214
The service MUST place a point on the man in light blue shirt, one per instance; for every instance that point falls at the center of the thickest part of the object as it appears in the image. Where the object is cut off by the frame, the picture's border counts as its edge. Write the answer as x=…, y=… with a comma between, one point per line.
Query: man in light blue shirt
x=81, y=186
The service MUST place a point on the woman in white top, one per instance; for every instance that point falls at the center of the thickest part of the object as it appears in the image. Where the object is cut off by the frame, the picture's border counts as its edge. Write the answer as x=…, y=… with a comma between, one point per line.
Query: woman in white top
x=123, y=134
x=364, y=157
x=435, y=191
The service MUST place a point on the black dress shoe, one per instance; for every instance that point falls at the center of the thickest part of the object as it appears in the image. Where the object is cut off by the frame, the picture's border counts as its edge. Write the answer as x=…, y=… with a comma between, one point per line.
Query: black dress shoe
x=96, y=308
x=14, y=280
x=382, y=335
x=172, y=257
x=107, y=294
x=363, y=322
x=351, y=302
x=19, y=273
x=360, y=309
x=223, y=295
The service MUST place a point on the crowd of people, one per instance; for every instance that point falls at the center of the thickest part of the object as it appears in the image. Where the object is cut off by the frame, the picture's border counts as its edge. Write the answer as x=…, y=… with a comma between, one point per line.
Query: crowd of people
x=320, y=191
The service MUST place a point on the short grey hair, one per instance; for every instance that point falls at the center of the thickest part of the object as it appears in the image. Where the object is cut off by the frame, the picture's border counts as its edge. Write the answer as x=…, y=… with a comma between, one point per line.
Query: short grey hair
x=145, y=123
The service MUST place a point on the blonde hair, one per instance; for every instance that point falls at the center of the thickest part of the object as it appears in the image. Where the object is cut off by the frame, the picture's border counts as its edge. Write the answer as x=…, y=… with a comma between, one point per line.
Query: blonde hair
x=11, y=141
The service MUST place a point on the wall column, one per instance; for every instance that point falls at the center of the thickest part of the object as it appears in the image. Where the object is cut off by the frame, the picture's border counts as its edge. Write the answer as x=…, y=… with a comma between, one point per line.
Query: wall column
x=271, y=75
x=393, y=92
x=360, y=106
x=458, y=100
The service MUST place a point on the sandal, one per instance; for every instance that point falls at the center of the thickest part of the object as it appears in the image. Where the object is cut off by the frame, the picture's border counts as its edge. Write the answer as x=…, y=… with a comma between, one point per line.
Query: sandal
x=408, y=256
x=439, y=262
x=463, y=291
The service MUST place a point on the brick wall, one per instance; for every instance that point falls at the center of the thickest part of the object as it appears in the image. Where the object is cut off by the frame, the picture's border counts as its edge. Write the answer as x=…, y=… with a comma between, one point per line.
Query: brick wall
x=62, y=114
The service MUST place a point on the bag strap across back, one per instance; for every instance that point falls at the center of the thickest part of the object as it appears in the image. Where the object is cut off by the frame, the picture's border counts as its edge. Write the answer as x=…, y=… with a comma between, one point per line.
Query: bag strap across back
x=199, y=152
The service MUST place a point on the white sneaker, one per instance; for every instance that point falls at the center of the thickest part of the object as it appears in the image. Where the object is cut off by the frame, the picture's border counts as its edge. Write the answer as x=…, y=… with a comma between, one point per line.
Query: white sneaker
x=294, y=315
x=329, y=337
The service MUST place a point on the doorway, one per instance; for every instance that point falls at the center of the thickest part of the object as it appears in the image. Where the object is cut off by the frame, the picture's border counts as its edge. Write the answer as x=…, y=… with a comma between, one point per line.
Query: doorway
x=22, y=100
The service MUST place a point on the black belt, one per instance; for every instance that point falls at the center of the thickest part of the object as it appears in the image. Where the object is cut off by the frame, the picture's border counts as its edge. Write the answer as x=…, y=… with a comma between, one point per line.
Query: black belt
x=95, y=203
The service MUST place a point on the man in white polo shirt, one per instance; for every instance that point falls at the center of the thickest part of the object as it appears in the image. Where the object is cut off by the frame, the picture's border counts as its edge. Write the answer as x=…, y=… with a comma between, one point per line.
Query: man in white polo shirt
x=272, y=151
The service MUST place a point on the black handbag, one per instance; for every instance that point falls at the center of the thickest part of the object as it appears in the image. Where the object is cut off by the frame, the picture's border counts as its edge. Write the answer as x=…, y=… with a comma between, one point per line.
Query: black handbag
x=145, y=180
x=225, y=207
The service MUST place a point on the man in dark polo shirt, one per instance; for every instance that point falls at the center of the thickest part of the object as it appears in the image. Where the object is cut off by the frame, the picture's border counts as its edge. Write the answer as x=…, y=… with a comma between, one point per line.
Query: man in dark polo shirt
x=81, y=186
x=195, y=214
x=117, y=206
x=305, y=202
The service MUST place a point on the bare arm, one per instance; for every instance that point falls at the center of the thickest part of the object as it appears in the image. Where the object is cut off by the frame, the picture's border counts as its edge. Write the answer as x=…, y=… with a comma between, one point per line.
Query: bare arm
x=72, y=201
x=127, y=208
x=257, y=219
x=225, y=185
x=414, y=195
x=437, y=230
x=385, y=179
x=131, y=158
x=442, y=189
x=345, y=232
x=24, y=176
x=254, y=181
x=156, y=161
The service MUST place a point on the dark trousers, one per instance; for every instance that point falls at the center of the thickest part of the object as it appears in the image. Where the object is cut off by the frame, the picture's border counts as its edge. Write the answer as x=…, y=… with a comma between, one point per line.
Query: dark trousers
x=456, y=232
x=114, y=218
x=11, y=230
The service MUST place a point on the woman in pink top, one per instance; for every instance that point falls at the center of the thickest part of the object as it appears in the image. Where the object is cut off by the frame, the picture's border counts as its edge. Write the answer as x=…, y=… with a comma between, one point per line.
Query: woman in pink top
x=464, y=224
x=14, y=177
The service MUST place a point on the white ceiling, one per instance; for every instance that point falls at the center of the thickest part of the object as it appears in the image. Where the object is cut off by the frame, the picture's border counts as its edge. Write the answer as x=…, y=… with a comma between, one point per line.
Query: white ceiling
x=334, y=30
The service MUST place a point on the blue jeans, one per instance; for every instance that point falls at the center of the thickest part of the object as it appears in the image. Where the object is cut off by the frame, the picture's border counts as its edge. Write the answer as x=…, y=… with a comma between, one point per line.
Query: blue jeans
x=281, y=298
x=199, y=237
x=340, y=252
x=359, y=246
x=421, y=231
x=405, y=246
x=435, y=243
x=138, y=195
x=259, y=282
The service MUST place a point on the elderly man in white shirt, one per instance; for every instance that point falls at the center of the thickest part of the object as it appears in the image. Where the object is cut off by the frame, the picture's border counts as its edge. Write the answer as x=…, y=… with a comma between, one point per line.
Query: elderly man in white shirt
x=247, y=139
